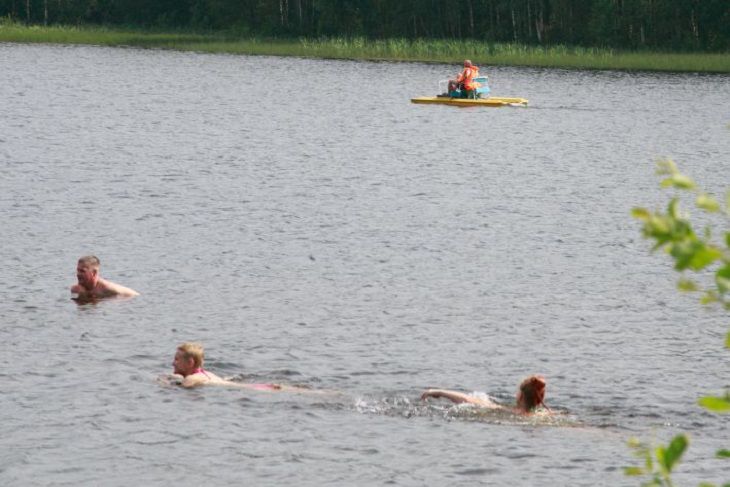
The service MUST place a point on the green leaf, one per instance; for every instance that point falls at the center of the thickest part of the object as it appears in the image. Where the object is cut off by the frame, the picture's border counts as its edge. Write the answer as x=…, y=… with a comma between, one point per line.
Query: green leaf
x=692, y=253
x=673, y=208
x=640, y=213
x=704, y=257
x=683, y=252
x=707, y=203
x=679, y=181
x=709, y=297
x=686, y=285
x=724, y=453
x=683, y=182
x=656, y=226
x=666, y=167
x=715, y=404
x=633, y=471
x=648, y=460
x=727, y=235
x=727, y=340
x=722, y=278
x=669, y=456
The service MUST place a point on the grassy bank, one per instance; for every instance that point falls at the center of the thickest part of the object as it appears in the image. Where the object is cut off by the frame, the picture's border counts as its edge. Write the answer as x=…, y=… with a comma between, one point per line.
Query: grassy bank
x=441, y=51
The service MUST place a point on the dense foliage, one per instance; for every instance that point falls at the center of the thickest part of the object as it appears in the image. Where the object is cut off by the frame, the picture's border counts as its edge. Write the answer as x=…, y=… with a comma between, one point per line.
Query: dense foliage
x=692, y=25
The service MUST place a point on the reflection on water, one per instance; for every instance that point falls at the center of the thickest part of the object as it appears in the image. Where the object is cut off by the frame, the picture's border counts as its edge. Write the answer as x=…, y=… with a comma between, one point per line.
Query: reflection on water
x=354, y=243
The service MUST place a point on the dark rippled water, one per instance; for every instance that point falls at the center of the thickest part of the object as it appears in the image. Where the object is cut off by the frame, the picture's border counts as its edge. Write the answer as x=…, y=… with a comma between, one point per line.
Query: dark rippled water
x=309, y=225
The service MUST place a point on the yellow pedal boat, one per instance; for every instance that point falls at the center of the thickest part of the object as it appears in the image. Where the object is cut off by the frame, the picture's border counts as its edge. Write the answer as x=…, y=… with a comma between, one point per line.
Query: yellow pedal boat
x=482, y=92
x=492, y=101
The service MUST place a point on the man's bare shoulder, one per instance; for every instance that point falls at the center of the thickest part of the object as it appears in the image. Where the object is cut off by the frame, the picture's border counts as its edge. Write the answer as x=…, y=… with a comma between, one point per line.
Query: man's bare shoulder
x=110, y=289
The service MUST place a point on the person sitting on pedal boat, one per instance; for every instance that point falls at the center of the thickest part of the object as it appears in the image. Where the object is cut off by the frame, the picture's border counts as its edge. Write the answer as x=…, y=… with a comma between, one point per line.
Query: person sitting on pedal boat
x=464, y=81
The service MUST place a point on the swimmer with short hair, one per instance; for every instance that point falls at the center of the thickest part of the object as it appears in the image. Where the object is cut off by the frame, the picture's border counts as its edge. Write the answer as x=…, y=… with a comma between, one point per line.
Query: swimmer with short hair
x=188, y=372
x=91, y=286
x=530, y=396
x=188, y=367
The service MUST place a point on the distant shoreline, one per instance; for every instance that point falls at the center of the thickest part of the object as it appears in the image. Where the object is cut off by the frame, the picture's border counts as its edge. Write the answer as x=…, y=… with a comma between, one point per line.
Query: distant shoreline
x=399, y=50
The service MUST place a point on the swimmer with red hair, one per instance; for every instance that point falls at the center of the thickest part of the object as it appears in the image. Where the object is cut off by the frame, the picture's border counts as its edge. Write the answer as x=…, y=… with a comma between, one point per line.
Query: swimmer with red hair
x=530, y=396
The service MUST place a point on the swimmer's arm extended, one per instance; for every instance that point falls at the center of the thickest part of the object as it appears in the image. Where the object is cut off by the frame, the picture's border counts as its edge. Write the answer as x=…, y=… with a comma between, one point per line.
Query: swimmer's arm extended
x=453, y=396
x=458, y=398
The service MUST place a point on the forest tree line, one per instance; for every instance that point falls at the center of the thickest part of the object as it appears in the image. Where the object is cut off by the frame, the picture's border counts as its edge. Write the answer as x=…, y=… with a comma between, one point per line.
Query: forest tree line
x=677, y=25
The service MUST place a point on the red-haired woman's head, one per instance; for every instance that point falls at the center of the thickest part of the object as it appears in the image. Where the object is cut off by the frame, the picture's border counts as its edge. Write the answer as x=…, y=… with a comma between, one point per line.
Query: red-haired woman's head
x=531, y=393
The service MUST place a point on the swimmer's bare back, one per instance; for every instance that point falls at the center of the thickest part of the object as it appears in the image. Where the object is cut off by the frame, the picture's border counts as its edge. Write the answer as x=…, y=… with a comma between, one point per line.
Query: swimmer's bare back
x=205, y=378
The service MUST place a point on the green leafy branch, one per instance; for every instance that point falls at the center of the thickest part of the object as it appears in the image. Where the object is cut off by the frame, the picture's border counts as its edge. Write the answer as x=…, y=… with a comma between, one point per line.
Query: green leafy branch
x=672, y=231
x=658, y=470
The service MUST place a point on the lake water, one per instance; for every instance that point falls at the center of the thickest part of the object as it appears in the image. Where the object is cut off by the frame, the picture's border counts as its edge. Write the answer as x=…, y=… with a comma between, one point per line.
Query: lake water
x=309, y=225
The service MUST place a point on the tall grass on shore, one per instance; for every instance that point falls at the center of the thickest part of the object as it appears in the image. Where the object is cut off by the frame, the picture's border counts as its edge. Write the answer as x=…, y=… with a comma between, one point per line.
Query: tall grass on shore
x=420, y=50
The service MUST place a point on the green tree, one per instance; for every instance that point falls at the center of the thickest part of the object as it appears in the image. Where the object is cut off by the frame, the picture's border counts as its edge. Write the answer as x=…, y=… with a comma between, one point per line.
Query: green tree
x=636, y=24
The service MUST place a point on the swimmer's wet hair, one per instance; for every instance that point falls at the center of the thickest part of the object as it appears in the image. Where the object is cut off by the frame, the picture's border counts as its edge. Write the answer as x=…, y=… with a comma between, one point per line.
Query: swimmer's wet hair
x=532, y=392
x=90, y=260
x=194, y=351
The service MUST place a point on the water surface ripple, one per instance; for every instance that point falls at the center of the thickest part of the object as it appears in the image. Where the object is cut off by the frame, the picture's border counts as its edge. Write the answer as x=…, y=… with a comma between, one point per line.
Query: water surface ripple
x=310, y=225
